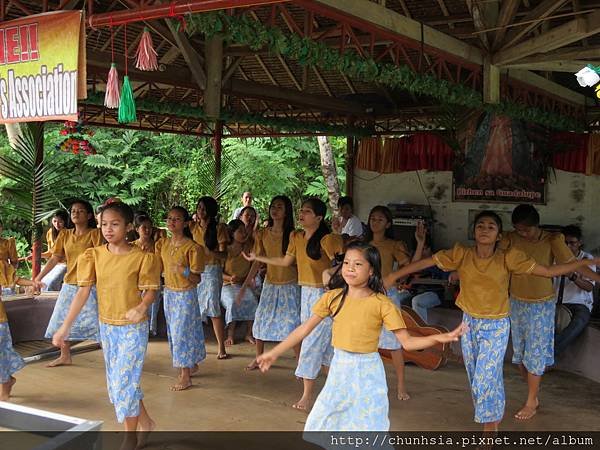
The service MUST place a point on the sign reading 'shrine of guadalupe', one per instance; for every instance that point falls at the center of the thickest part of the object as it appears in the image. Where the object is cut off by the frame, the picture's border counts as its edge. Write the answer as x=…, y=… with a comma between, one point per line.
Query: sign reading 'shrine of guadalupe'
x=42, y=67
x=499, y=162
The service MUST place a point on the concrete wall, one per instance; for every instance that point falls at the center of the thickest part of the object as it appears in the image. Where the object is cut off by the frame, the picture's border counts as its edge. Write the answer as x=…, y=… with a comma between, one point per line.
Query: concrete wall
x=571, y=198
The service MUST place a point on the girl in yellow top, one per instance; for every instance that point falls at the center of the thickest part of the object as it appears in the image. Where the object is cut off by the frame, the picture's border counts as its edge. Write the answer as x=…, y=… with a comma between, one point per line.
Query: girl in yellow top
x=182, y=263
x=9, y=259
x=235, y=272
x=70, y=244
x=313, y=250
x=355, y=394
x=484, y=272
x=127, y=280
x=278, y=311
x=532, y=301
x=54, y=279
x=146, y=241
x=10, y=361
x=213, y=237
x=380, y=235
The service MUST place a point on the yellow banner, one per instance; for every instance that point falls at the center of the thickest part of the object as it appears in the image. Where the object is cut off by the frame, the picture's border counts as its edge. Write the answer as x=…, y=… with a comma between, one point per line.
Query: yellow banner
x=42, y=67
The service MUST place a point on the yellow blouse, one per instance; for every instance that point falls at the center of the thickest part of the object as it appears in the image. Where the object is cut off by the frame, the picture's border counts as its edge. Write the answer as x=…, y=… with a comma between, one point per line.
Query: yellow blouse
x=119, y=279
x=310, y=271
x=269, y=244
x=138, y=243
x=189, y=254
x=70, y=246
x=356, y=328
x=390, y=251
x=238, y=266
x=3, y=318
x=222, y=239
x=548, y=250
x=8, y=255
x=49, y=239
x=484, y=281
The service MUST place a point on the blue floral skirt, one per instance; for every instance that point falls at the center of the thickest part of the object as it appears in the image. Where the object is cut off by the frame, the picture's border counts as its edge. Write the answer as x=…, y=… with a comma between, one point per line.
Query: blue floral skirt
x=278, y=312
x=184, y=327
x=209, y=291
x=85, y=325
x=316, y=350
x=532, y=327
x=246, y=310
x=354, y=397
x=124, y=348
x=483, y=348
x=10, y=360
x=54, y=279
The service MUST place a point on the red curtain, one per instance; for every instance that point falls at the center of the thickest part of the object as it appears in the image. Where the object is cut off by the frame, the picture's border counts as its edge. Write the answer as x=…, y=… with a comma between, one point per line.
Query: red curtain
x=421, y=151
x=576, y=158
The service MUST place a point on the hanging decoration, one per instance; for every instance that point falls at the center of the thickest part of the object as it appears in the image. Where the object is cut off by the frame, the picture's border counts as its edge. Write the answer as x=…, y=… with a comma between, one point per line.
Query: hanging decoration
x=76, y=141
x=145, y=54
x=127, y=106
x=112, y=97
x=589, y=76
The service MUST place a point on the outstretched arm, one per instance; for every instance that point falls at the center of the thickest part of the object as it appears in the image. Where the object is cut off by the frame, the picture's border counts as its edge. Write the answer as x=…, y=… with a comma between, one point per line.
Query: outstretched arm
x=267, y=359
x=283, y=261
x=416, y=266
x=562, y=269
x=412, y=343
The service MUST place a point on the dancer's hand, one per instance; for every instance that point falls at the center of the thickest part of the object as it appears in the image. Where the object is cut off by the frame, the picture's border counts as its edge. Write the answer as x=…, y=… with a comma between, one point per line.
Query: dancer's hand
x=420, y=232
x=249, y=256
x=265, y=361
x=137, y=314
x=454, y=335
x=58, y=339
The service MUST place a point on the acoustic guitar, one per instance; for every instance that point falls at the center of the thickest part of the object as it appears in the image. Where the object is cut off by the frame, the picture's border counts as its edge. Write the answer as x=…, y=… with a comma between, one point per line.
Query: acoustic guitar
x=431, y=358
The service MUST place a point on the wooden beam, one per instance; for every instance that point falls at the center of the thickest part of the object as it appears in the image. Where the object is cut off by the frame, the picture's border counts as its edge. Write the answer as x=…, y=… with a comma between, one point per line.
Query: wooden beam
x=445, y=12
x=232, y=68
x=391, y=21
x=193, y=60
x=289, y=72
x=544, y=9
x=482, y=19
x=214, y=76
x=552, y=66
x=563, y=54
x=491, y=82
x=549, y=86
x=557, y=37
x=507, y=13
x=322, y=81
x=266, y=70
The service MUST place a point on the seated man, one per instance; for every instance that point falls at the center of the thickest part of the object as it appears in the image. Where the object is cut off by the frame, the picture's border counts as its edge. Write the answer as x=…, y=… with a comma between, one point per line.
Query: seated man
x=347, y=224
x=577, y=293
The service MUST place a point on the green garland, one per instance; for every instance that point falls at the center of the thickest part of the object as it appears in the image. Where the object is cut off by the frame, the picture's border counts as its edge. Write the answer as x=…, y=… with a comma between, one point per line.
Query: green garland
x=183, y=110
x=247, y=31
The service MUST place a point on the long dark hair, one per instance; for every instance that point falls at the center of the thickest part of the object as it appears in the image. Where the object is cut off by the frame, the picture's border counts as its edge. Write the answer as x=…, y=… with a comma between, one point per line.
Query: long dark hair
x=90, y=210
x=375, y=282
x=313, y=246
x=212, y=211
x=288, y=222
x=61, y=214
x=186, y=218
x=120, y=208
x=389, y=232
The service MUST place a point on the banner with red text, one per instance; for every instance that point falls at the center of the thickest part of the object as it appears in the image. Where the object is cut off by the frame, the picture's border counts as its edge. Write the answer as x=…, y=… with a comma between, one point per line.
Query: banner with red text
x=42, y=67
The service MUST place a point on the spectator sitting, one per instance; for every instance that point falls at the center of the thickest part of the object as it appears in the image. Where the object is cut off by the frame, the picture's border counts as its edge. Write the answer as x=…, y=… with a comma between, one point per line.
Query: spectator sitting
x=246, y=201
x=577, y=293
x=347, y=224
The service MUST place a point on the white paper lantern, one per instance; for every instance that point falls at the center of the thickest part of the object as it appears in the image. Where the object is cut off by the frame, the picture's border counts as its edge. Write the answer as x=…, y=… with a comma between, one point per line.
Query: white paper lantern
x=587, y=77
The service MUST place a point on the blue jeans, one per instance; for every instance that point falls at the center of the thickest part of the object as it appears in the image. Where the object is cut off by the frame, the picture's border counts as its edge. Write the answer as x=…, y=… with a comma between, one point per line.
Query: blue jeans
x=422, y=302
x=581, y=317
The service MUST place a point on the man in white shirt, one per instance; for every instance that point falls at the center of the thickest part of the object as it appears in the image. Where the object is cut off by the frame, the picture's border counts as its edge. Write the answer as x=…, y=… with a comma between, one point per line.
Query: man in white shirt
x=347, y=224
x=246, y=201
x=577, y=294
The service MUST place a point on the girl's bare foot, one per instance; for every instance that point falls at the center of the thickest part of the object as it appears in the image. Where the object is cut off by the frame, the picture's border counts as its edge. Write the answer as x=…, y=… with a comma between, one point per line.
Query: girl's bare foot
x=527, y=411
x=61, y=361
x=145, y=427
x=229, y=341
x=252, y=366
x=223, y=355
x=183, y=384
x=303, y=404
x=195, y=369
x=250, y=339
x=6, y=388
x=403, y=395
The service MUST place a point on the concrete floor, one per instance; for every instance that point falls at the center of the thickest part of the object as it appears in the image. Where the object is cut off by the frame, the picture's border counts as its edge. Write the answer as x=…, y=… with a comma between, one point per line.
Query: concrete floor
x=226, y=398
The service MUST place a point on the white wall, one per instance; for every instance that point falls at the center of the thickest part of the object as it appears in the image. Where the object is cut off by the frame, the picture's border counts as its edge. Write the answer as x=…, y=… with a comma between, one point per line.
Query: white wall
x=571, y=198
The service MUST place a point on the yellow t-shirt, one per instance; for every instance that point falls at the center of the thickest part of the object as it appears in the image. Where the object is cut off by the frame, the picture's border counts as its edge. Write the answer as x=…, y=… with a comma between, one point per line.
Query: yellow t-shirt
x=138, y=243
x=70, y=246
x=189, y=254
x=269, y=244
x=49, y=239
x=119, y=279
x=390, y=251
x=222, y=239
x=237, y=265
x=310, y=271
x=356, y=328
x=548, y=250
x=484, y=281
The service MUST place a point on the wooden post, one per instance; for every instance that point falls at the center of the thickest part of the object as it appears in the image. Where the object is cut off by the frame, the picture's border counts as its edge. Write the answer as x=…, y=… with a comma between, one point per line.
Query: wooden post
x=212, y=99
x=37, y=129
x=350, y=155
x=491, y=82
